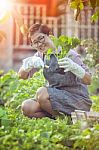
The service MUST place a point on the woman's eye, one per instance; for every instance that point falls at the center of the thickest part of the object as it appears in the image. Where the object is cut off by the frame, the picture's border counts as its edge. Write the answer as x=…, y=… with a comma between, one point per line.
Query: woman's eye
x=35, y=42
x=41, y=38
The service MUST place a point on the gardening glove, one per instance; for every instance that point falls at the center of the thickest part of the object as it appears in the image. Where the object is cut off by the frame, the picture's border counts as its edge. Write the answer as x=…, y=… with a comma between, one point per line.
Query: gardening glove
x=32, y=62
x=69, y=65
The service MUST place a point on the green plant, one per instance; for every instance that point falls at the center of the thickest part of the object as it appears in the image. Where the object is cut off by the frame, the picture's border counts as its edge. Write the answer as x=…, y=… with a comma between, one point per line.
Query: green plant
x=94, y=87
x=92, y=52
x=88, y=139
x=18, y=132
x=79, y=5
x=63, y=45
x=95, y=105
x=13, y=88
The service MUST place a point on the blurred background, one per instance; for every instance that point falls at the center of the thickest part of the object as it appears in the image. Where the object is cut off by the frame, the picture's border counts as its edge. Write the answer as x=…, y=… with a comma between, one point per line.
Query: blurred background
x=55, y=13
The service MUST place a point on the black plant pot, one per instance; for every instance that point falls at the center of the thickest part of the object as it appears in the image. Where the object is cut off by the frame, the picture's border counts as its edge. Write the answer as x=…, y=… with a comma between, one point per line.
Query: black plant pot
x=53, y=65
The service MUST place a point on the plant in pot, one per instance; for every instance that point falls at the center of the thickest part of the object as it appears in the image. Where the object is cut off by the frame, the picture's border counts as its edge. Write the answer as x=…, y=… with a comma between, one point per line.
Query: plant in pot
x=51, y=71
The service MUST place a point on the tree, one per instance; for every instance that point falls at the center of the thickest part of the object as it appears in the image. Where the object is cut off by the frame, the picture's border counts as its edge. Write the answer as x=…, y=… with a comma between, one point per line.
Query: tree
x=79, y=5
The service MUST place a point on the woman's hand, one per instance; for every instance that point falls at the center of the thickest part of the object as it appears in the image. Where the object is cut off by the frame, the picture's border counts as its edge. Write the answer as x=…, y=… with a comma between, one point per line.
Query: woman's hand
x=32, y=62
x=69, y=65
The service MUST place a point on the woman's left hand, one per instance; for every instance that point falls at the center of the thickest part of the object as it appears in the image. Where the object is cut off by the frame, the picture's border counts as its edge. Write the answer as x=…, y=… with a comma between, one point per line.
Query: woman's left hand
x=66, y=63
x=69, y=65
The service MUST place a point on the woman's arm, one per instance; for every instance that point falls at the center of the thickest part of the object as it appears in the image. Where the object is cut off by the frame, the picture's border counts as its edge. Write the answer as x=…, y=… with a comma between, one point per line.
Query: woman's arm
x=23, y=74
x=74, y=64
x=30, y=66
x=77, y=59
x=86, y=79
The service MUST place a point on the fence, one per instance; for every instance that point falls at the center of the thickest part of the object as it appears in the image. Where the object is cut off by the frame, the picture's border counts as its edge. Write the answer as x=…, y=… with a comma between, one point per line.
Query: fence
x=64, y=24
x=61, y=25
x=84, y=29
x=31, y=14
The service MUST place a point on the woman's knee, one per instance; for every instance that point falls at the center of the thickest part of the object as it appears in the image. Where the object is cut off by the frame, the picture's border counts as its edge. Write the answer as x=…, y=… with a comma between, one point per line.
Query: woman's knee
x=29, y=107
x=42, y=94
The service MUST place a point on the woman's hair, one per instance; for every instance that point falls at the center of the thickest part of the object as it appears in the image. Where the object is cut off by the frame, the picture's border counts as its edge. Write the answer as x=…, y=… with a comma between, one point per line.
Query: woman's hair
x=39, y=28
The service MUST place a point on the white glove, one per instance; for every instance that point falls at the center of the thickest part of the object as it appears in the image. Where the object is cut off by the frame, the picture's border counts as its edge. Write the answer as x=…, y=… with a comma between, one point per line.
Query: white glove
x=69, y=65
x=32, y=62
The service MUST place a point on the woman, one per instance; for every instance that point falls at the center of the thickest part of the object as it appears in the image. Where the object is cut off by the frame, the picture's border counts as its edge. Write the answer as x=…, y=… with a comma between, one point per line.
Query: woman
x=71, y=92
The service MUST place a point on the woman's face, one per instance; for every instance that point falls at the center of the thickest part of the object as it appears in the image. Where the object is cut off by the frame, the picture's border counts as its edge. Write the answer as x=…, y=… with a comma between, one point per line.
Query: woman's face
x=41, y=42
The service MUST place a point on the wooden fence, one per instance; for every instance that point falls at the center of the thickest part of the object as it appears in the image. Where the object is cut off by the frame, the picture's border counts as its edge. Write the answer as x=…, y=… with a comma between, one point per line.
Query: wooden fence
x=61, y=25
x=83, y=29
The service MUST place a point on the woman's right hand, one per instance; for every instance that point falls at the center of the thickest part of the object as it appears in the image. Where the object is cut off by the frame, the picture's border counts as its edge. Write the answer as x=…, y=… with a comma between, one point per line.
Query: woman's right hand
x=32, y=62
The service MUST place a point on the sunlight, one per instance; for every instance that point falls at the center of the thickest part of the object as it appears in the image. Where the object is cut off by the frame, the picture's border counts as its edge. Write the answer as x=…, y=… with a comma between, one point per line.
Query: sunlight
x=5, y=8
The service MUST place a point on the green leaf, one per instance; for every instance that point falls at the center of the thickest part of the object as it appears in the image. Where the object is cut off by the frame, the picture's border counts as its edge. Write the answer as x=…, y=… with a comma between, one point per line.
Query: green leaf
x=95, y=16
x=73, y=5
x=81, y=6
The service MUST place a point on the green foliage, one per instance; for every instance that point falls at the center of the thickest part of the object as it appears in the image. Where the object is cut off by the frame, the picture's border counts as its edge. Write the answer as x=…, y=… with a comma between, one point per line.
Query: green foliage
x=92, y=52
x=80, y=4
x=8, y=84
x=63, y=45
x=76, y=4
x=92, y=61
x=88, y=139
x=36, y=134
x=18, y=132
x=95, y=16
x=95, y=105
x=3, y=116
x=13, y=88
x=94, y=85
